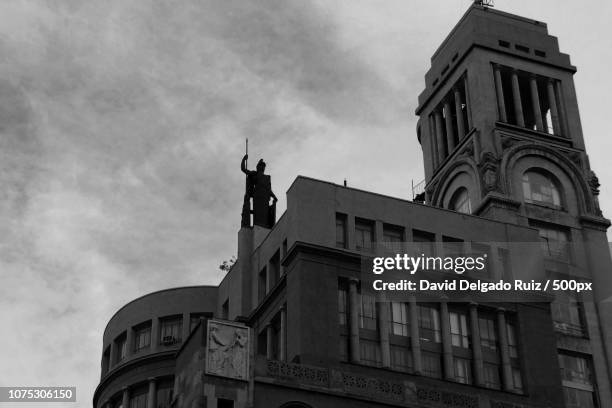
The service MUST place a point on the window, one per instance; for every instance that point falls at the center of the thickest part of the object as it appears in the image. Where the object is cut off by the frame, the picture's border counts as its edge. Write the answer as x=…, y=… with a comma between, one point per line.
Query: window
x=423, y=243
x=578, y=386
x=276, y=337
x=121, y=346
x=517, y=380
x=139, y=399
x=170, y=330
x=262, y=343
x=575, y=369
x=488, y=335
x=540, y=188
x=364, y=235
x=460, y=201
x=274, y=268
x=341, y=230
x=576, y=398
x=367, y=314
x=401, y=358
x=225, y=403
x=554, y=242
x=142, y=336
x=567, y=314
x=429, y=323
x=491, y=376
x=399, y=319
x=393, y=237
x=262, y=285
x=106, y=360
x=342, y=305
x=463, y=372
x=164, y=394
x=370, y=352
x=432, y=365
x=459, y=330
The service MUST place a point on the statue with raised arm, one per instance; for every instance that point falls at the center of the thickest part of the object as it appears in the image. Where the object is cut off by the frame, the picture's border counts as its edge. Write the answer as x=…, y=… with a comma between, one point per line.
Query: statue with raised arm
x=259, y=189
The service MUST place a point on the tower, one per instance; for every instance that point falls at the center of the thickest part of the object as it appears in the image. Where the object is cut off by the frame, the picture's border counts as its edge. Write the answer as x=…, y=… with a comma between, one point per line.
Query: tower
x=501, y=137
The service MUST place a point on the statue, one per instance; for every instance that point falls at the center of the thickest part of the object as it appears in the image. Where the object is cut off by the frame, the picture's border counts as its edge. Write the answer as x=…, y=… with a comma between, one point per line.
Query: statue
x=258, y=187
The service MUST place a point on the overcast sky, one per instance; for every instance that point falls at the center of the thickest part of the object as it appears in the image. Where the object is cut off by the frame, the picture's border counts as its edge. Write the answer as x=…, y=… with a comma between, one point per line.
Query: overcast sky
x=122, y=125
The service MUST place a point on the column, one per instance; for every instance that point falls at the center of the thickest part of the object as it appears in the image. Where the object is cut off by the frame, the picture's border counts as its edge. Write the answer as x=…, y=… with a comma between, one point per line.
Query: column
x=535, y=101
x=516, y=98
x=459, y=112
x=468, y=105
x=125, y=401
x=129, y=342
x=501, y=103
x=447, y=347
x=476, y=347
x=562, y=110
x=354, y=320
x=283, y=333
x=450, y=134
x=504, y=352
x=269, y=346
x=383, y=326
x=442, y=151
x=154, y=334
x=552, y=103
x=152, y=396
x=415, y=343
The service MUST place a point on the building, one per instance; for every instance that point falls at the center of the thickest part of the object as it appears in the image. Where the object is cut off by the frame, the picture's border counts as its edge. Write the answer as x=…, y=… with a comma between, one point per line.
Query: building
x=294, y=324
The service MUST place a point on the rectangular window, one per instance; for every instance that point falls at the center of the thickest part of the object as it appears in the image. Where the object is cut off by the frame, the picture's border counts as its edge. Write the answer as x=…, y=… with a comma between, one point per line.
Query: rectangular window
x=429, y=323
x=577, y=398
x=399, y=319
x=164, y=394
x=459, y=329
x=488, y=334
x=432, y=365
x=341, y=241
x=393, y=236
x=262, y=343
x=367, y=313
x=423, y=243
x=491, y=376
x=121, y=345
x=364, y=235
x=463, y=372
x=276, y=337
x=170, y=330
x=138, y=399
x=225, y=403
x=342, y=305
x=262, y=284
x=517, y=380
x=575, y=370
x=567, y=314
x=343, y=347
x=274, y=268
x=401, y=358
x=554, y=242
x=142, y=336
x=370, y=352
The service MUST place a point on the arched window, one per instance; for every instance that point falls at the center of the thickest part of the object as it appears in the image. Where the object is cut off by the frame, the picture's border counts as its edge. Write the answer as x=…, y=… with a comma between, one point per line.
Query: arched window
x=460, y=201
x=540, y=188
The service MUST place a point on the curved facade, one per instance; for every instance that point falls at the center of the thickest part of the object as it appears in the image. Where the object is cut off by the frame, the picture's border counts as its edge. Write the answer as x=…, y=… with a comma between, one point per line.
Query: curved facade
x=140, y=344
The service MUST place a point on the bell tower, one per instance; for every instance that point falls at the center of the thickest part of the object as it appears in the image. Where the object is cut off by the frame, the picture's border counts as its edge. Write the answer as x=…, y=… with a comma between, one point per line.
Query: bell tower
x=501, y=137
x=500, y=100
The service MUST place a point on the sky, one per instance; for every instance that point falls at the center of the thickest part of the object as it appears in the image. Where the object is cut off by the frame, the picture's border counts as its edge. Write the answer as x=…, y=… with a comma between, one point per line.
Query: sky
x=122, y=125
